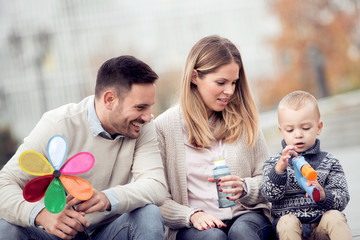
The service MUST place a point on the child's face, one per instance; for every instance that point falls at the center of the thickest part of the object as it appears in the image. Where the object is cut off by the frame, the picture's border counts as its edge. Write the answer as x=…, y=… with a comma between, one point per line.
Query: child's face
x=299, y=127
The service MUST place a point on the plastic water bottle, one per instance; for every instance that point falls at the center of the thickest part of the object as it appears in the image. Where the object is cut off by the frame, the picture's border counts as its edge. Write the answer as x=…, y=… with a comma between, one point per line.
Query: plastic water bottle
x=222, y=170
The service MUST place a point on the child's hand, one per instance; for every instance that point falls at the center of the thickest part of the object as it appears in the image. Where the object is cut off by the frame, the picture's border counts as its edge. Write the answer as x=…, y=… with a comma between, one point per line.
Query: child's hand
x=316, y=184
x=285, y=156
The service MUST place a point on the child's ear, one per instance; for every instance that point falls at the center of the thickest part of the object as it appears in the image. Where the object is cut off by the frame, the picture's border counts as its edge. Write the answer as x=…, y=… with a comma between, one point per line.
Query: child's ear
x=320, y=126
x=194, y=77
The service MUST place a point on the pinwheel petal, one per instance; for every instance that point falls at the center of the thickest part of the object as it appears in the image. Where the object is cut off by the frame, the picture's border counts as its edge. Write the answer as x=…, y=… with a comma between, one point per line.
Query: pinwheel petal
x=79, y=188
x=55, y=198
x=35, y=189
x=34, y=163
x=79, y=163
x=57, y=150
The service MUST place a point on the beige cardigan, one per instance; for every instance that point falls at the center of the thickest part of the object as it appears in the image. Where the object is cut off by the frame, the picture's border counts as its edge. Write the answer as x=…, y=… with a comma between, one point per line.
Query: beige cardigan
x=243, y=161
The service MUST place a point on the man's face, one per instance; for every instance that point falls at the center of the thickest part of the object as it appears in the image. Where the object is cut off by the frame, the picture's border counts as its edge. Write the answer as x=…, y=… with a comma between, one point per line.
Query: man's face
x=130, y=113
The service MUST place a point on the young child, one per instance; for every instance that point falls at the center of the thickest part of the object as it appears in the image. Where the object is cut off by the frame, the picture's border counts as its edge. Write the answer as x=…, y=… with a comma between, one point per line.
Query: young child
x=295, y=214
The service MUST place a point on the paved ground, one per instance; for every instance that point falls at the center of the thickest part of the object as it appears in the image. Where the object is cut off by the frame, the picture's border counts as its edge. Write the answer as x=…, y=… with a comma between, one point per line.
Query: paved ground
x=349, y=157
x=340, y=136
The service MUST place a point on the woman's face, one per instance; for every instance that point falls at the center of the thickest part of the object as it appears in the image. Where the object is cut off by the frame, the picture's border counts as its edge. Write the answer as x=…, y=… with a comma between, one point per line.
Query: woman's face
x=216, y=88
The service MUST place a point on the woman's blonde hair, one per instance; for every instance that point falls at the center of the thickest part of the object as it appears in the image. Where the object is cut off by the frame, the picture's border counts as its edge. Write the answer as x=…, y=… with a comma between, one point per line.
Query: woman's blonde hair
x=207, y=56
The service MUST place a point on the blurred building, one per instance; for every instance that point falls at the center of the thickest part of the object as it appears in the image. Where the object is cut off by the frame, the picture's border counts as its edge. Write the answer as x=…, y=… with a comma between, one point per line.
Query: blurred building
x=51, y=50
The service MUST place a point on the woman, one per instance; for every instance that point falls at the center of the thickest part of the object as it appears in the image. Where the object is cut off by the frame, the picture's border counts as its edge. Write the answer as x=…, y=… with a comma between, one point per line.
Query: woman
x=216, y=118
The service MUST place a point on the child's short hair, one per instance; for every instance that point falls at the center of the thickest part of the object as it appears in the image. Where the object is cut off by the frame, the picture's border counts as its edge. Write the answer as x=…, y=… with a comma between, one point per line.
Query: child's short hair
x=298, y=99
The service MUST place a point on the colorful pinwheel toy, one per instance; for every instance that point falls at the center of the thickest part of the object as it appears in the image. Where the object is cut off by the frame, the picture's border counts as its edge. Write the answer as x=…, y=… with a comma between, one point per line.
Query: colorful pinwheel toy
x=54, y=176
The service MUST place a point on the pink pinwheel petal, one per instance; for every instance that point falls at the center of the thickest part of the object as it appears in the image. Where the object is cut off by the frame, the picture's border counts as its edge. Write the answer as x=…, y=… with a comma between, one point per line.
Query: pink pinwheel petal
x=35, y=189
x=79, y=163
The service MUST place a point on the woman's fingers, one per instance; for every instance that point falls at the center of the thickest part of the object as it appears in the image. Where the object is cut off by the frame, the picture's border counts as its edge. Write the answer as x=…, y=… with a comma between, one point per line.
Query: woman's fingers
x=236, y=186
x=203, y=220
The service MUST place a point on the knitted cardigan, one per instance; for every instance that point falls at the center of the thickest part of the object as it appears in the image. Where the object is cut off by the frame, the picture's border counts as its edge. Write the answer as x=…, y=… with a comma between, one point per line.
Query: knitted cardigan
x=287, y=197
x=243, y=161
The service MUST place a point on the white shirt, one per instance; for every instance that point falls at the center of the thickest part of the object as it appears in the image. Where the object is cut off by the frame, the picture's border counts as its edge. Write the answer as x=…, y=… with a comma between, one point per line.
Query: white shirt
x=202, y=194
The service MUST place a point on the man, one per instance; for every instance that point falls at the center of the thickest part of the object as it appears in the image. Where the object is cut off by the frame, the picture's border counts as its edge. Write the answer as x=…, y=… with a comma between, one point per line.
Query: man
x=127, y=178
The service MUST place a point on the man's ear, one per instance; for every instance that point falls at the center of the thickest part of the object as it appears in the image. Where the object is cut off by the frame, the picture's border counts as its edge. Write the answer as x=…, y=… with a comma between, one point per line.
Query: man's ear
x=109, y=99
x=194, y=77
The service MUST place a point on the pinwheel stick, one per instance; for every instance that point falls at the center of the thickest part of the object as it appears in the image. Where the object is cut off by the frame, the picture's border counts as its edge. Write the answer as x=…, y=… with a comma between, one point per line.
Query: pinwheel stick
x=85, y=230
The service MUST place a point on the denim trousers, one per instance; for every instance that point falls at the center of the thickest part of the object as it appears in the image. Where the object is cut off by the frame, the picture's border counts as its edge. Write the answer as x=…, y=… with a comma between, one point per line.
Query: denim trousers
x=142, y=223
x=248, y=226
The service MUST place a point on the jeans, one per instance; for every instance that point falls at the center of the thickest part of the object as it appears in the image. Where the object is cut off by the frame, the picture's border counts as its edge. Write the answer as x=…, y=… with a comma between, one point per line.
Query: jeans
x=142, y=223
x=248, y=226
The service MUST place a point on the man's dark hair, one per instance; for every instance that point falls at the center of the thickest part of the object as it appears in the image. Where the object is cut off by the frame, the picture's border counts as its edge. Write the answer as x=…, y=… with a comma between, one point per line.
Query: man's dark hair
x=121, y=73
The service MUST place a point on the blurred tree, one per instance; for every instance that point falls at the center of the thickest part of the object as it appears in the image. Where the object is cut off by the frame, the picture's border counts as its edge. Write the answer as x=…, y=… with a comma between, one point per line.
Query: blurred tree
x=8, y=145
x=318, y=49
x=167, y=91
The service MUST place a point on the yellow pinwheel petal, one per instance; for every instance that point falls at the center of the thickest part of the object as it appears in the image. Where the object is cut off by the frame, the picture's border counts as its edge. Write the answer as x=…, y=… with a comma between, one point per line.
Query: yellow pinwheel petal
x=34, y=163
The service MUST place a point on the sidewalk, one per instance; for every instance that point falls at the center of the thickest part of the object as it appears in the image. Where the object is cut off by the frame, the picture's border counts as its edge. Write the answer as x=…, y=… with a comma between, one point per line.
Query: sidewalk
x=349, y=158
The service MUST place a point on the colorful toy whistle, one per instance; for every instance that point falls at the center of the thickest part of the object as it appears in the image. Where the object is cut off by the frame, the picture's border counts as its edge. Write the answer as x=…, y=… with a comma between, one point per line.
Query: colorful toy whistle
x=304, y=173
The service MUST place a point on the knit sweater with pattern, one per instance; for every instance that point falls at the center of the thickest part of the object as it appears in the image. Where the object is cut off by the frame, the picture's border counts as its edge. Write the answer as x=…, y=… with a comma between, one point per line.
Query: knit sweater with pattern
x=287, y=197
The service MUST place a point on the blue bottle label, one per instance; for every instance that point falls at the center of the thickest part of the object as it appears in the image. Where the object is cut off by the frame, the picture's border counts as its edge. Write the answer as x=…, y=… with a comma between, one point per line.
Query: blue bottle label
x=219, y=172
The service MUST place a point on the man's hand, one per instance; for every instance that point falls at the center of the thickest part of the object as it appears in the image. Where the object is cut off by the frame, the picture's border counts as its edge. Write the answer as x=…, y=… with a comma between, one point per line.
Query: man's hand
x=97, y=203
x=285, y=156
x=203, y=220
x=65, y=224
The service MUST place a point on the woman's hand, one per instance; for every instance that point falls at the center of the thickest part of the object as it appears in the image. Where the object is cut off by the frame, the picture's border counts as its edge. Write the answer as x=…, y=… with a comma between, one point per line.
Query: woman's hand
x=203, y=220
x=236, y=184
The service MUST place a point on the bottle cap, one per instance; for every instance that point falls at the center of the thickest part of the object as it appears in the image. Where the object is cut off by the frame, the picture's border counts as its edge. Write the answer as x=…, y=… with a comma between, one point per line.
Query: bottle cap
x=220, y=162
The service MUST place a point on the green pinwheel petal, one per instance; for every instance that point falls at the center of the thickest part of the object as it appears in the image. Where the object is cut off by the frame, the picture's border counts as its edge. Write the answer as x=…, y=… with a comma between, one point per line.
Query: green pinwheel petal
x=55, y=198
